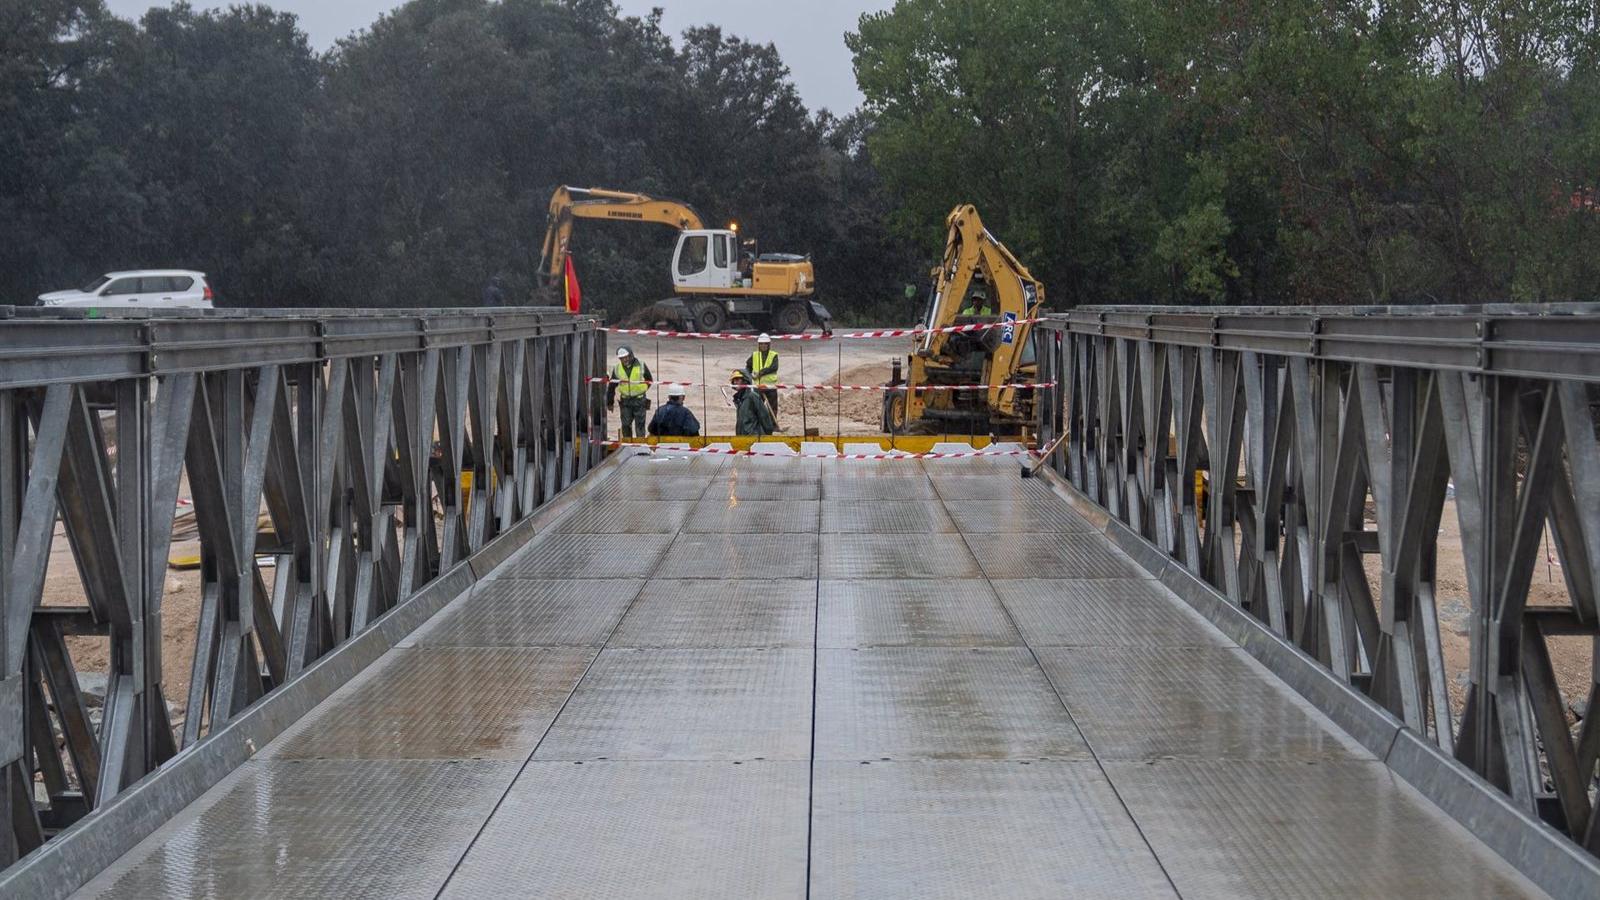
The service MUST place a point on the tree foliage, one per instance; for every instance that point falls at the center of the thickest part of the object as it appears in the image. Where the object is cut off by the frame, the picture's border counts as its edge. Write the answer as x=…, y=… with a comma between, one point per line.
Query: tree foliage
x=1251, y=151
x=415, y=160
x=1214, y=151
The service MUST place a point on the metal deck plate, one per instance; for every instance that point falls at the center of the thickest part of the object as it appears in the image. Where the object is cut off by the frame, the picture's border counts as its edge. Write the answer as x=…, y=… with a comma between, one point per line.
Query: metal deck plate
x=588, y=556
x=1275, y=828
x=975, y=829
x=723, y=516
x=930, y=613
x=1103, y=612
x=1029, y=516
x=297, y=829
x=514, y=612
x=878, y=488
x=665, y=486
x=665, y=464
x=656, y=829
x=991, y=488
x=454, y=703
x=727, y=613
x=625, y=517
x=852, y=556
x=759, y=468
x=762, y=489
x=1053, y=556
x=688, y=704
x=741, y=556
x=885, y=517
x=870, y=468
x=937, y=703
x=1194, y=704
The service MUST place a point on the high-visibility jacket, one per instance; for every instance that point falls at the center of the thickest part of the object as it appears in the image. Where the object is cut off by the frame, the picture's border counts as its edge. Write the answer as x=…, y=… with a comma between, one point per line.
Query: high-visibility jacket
x=631, y=381
x=972, y=309
x=764, y=367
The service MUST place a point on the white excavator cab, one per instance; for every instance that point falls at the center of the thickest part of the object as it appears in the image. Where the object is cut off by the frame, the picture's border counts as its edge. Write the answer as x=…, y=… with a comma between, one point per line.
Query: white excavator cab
x=706, y=258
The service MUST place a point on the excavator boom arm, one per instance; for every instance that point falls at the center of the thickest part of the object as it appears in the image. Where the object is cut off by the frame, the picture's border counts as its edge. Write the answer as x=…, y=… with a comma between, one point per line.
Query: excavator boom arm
x=568, y=204
x=970, y=250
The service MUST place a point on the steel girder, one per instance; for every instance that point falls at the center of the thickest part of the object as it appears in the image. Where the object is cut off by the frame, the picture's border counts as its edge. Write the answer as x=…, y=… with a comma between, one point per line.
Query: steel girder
x=1330, y=438
x=322, y=445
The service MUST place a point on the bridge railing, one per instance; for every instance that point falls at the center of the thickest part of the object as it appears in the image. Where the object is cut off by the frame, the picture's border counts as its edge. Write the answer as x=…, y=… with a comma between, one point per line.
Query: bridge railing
x=334, y=462
x=1331, y=445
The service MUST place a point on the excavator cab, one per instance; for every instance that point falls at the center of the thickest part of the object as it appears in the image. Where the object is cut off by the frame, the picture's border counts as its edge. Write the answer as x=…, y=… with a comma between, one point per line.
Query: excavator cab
x=706, y=259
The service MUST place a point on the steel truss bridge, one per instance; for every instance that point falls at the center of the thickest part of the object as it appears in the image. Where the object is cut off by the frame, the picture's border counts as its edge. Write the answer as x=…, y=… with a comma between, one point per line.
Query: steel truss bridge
x=447, y=646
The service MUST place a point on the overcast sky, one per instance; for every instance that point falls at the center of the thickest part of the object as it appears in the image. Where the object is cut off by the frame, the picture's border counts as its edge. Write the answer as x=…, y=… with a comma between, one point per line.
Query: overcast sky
x=809, y=33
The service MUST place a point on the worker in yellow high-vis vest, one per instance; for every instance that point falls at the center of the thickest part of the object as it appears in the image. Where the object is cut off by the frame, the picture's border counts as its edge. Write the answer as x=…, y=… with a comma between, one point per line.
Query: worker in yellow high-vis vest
x=763, y=367
x=630, y=388
x=978, y=303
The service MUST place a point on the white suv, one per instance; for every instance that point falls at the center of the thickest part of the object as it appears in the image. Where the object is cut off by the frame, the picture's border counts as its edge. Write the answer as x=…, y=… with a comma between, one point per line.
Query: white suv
x=147, y=288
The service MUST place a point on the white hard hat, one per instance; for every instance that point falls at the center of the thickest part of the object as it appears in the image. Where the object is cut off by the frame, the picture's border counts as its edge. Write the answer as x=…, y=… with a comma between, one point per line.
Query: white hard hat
x=764, y=338
x=622, y=353
x=677, y=390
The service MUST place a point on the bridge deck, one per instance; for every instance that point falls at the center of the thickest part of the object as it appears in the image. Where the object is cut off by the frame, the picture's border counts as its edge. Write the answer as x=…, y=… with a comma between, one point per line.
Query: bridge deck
x=730, y=678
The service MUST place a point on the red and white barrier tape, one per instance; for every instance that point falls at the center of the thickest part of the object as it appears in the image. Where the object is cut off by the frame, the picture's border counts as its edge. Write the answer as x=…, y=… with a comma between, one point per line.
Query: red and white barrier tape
x=729, y=451
x=848, y=335
x=601, y=379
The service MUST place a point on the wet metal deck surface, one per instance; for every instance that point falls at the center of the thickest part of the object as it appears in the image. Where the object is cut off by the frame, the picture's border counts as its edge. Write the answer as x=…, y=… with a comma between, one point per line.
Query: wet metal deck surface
x=780, y=678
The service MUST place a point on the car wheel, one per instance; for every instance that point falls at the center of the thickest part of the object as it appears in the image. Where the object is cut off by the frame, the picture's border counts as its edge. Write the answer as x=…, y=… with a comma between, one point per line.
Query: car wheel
x=791, y=318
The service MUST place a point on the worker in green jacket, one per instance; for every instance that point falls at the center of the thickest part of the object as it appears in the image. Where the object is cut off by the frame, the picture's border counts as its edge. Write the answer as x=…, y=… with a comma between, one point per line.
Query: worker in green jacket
x=752, y=416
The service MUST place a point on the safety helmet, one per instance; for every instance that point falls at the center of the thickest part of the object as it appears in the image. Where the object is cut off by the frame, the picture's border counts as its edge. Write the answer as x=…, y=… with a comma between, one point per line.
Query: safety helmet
x=677, y=390
x=622, y=352
x=764, y=338
x=739, y=375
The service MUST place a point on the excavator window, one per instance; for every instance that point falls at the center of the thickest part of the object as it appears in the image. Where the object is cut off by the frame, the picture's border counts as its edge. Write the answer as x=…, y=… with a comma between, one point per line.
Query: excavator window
x=720, y=253
x=692, y=260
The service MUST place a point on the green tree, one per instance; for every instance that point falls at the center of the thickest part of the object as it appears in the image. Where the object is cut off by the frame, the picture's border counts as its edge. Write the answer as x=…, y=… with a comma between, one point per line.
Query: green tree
x=65, y=188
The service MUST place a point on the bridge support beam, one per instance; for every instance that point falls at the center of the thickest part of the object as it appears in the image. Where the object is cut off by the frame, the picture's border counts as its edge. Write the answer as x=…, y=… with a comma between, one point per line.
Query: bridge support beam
x=334, y=464
x=1332, y=445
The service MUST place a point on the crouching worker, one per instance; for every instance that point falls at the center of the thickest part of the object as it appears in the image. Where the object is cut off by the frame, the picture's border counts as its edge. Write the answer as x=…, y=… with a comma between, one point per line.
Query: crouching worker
x=674, y=419
x=752, y=415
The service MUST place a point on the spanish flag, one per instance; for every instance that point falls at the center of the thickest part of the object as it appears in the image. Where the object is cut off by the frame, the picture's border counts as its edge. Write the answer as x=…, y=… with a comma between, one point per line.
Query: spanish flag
x=574, y=294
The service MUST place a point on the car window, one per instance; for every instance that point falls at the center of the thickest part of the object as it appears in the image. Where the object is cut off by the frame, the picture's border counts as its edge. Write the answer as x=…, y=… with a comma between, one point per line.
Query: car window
x=180, y=283
x=693, y=258
x=96, y=284
x=123, y=286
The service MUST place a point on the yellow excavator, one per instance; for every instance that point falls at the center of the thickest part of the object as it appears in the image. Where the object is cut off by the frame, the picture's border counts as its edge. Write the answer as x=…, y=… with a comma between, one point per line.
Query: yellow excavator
x=717, y=278
x=978, y=281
